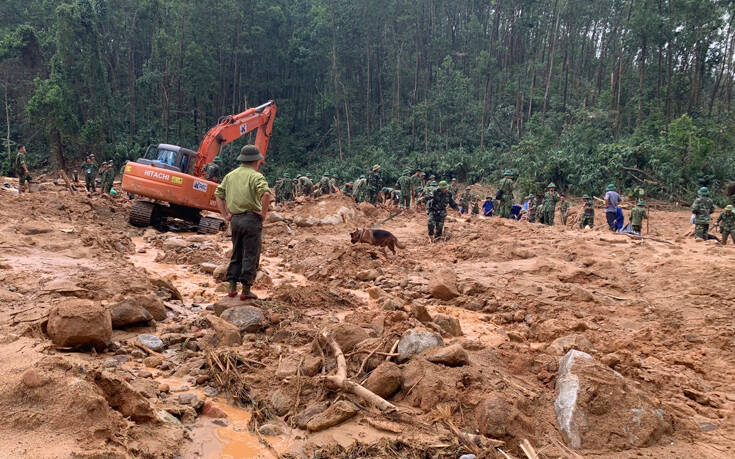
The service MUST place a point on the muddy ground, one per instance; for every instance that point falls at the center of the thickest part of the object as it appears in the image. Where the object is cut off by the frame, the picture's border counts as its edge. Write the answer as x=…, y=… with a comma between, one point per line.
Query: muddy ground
x=653, y=317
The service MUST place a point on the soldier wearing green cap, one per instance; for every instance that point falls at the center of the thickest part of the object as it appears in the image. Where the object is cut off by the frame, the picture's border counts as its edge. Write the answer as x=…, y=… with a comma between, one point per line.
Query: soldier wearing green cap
x=637, y=214
x=287, y=187
x=416, y=182
x=374, y=184
x=454, y=188
x=465, y=199
x=323, y=186
x=404, y=184
x=548, y=206
x=243, y=198
x=21, y=170
x=359, y=189
x=588, y=212
x=108, y=177
x=213, y=170
x=702, y=208
x=563, y=208
x=90, y=168
x=430, y=188
x=347, y=189
x=306, y=185
x=505, y=194
x=726, y=222
x=436, y=209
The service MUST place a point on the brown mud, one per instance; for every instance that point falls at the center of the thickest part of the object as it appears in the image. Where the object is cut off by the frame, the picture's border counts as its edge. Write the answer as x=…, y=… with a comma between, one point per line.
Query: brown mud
x=659, y=314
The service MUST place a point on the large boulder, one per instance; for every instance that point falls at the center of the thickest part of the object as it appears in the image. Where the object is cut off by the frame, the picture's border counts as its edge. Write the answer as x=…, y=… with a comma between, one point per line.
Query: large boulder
x=127, y=313
x=597, y=408
x=348, y=335
x=443, y=285
x=227, y=333
x=335, y=414
x=248, y=319
x=80, y=323
x=449, y=324
x=414, y=342
x=150, y=303
x=385, y=380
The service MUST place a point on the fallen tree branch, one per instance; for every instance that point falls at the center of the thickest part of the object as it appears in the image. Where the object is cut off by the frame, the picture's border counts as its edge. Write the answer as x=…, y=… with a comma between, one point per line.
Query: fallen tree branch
x=528, y=449
x=340, y=380
x=392, y=350
x=149, y=351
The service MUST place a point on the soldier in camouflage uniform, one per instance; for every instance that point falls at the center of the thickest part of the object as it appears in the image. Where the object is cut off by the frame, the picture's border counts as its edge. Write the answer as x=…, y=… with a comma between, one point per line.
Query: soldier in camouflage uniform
x=564, y=209
x=213, y=170
x=702, y=208
x=333, y=183
x=505, y=188
x=347, y=189
x=278, y=190
x=21, y=170
x=374, y=184
x=287, y=188
x=90, y=173
x=404, y=184
x=588, y=214
x=296, y=184
x=726, y=221
x=323, y=186
x=108, y=177
x=475, y=205
x=416, y=182
x=549, y=204
x=306, y=185
x=429, y=190
x=454, y=188
x=359, y=189
x=436, y=209
x=637, y=214
x=465, y=199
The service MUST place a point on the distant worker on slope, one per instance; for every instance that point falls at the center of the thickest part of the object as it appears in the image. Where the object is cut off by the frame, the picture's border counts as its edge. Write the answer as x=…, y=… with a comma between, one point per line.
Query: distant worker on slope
x=726, y=221
x=243, y=198
x=702, y=208
x=505, y=194
x=549, y=204
x=436, y=209
x=21, y=170
x=564, y=209
x=588, y=213
x=108, y=176
x=213, y=170
x=404, y=184
x=90, y=174
x=306, y=185
x=612, y=200
x=374, y=184
x=637, y=214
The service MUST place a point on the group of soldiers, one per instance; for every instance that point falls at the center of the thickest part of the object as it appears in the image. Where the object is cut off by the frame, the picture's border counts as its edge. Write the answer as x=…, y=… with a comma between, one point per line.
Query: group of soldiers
x=91, y=170
x=702, y=209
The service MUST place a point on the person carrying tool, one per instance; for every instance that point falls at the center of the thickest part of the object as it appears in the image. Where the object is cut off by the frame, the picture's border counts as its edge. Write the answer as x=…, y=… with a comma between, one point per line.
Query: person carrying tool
x=243, y=199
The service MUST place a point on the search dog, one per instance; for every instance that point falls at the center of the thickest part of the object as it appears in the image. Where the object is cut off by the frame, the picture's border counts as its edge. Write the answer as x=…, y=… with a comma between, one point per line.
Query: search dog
x=380, y=238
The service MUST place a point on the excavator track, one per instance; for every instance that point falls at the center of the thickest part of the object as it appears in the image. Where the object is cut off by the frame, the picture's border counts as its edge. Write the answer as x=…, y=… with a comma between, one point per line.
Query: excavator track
x=142, y=213
x=210, y=225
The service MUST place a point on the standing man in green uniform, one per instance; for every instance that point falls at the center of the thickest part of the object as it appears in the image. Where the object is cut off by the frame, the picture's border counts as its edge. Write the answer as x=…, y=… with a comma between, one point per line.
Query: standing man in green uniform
x=307, y=186
x=505, y=189
x=404, y=184
x=243, y=199
x=588, y=214
x=21, y=170
x=374, y=184
x=549, y=204
x=454, y=188
x=637, y=214
x=287, y=187
x=108, y=177
x=726, y=220
x=90, y=173
x=564, y=209
x=436, y=209
x=702, y=208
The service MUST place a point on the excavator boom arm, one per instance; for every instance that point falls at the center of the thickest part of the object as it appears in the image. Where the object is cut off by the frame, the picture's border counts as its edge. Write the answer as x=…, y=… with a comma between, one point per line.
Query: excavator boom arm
x=231, y=128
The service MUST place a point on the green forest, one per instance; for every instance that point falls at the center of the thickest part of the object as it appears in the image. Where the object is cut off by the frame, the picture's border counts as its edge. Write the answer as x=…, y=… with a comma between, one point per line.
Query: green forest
x=578, y=92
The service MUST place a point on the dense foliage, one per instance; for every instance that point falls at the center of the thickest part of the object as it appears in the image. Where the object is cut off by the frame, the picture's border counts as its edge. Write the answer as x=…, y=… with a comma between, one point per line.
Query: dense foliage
x=582, y=93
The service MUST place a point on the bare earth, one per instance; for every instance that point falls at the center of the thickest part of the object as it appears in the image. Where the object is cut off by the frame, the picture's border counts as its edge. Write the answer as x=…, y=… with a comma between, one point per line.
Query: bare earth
x=659, y=314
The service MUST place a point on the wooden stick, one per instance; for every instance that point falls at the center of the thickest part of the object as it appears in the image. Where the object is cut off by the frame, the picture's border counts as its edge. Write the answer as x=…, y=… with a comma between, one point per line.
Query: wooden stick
x=528, y=449
x=340, y=380
x=149, y=351
x=392, y=350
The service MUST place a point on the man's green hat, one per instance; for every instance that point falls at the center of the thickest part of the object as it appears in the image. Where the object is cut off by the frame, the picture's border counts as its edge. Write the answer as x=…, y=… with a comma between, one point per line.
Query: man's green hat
x=704, y=191
x=728, y=207
x=298, y=175
x=217, y=159
x=610, y=187
x=249, y=153
x=362, y=175
x=385, y=188
x=443, y=184
x=586, y=197
x=508, y=172
x=468, y=188
x=641, y=203
x=406, y=171
x=376, y=167
x=419, y=188
x=432, y=176
x=551, y=185
x=530, y=196
x=308, y=174
x=433, y=183
x=285, y=175
x=423, y=174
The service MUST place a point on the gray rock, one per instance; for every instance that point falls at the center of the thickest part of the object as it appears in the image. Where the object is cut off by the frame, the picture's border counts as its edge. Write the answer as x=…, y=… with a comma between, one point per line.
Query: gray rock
x=306, y=415
x=152, y=342
x=414, y=342
x=127, y=313
x=335, y=414
x=449, y=324
x=207, y=267
x=281, y=402
x=191, y=399
x=270, y=430
x=248, y=319
x=443, y=285
x=168, y=418
x=561, y=345
x=210, y=391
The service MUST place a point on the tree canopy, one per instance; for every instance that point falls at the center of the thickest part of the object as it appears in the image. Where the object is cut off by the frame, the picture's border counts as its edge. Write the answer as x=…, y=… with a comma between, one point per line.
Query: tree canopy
x=635, y=92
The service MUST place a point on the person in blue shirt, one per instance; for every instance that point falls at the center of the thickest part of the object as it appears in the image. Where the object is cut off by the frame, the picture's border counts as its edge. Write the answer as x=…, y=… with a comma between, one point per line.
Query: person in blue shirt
x=619, y=219
x=487, y=207
x=515, y=212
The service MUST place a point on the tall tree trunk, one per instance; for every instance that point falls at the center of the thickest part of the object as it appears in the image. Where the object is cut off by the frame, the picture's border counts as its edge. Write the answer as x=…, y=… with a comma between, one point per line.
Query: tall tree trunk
x=551, y=62
x=641, y=79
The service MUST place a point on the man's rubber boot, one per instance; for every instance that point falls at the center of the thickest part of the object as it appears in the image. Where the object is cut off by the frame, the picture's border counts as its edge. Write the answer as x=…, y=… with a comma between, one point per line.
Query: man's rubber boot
x=247, y=294
x=233, y=289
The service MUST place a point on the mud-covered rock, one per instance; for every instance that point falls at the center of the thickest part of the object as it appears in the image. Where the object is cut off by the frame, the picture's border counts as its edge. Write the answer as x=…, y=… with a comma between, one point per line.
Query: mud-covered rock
x=597, y=408
x=122, y=397
x=191, y=399
x=451, y=356
x=211, y=410
x=128, y=313
x=281, y=402
x=304, y=416
x=560, y=346
x=348, y=335
x=368, y=275
x=310, y=366
x=220, y=272
x=449, y=324
x=493, y=415
x=248, y=319
x=414, y=342
x=227, y=334
x=335, y=414
x=150, y=303
x=443, y=285
x=385, y=380
x=80, y=323
x=420, y=313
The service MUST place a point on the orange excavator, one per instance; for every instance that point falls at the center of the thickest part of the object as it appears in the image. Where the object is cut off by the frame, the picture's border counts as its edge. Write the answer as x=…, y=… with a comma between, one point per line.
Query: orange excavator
x=170, y=179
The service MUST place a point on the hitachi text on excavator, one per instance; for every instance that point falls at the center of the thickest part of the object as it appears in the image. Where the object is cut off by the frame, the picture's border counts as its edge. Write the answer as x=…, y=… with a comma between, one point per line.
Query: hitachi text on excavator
x=169, y=180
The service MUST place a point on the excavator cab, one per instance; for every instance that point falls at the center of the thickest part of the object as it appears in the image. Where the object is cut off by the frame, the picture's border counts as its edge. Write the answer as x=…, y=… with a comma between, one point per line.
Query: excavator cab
x=170, y=157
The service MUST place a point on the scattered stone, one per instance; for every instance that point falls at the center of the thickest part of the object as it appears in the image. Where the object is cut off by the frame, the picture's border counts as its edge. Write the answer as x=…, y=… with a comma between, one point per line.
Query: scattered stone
x=451, y=356
x=80, y=323
x=420, y=313
x=707, y=427
x=515, y=337
x=152, y=342
x=168, y=418
x=375, y=292
x=32, y=378
x=122, y=397
x=211, y=410
x=449, y=324
x=153, y=361
x=348, y=335
x=335, y=414
x=368, y=275
x=127, y=313
x=414, y=342
x=210, y=391
x=385, y=380
x=145, y=374
x=207, y=267
x=560, y=346
x=220, y=272
x=227, y=333
x=281, y=402
x=270, y=430
x=132, y=304
x=494, y=414
x=164, y=388
x=193, y=400
x=302, y=418
x=166, y=285
x=30, y=229
x=248, y=319
x=288, y=366
x=468, y=456
x=221, y=422
x=174, y=243
x=443, y=285
x=598, y=408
